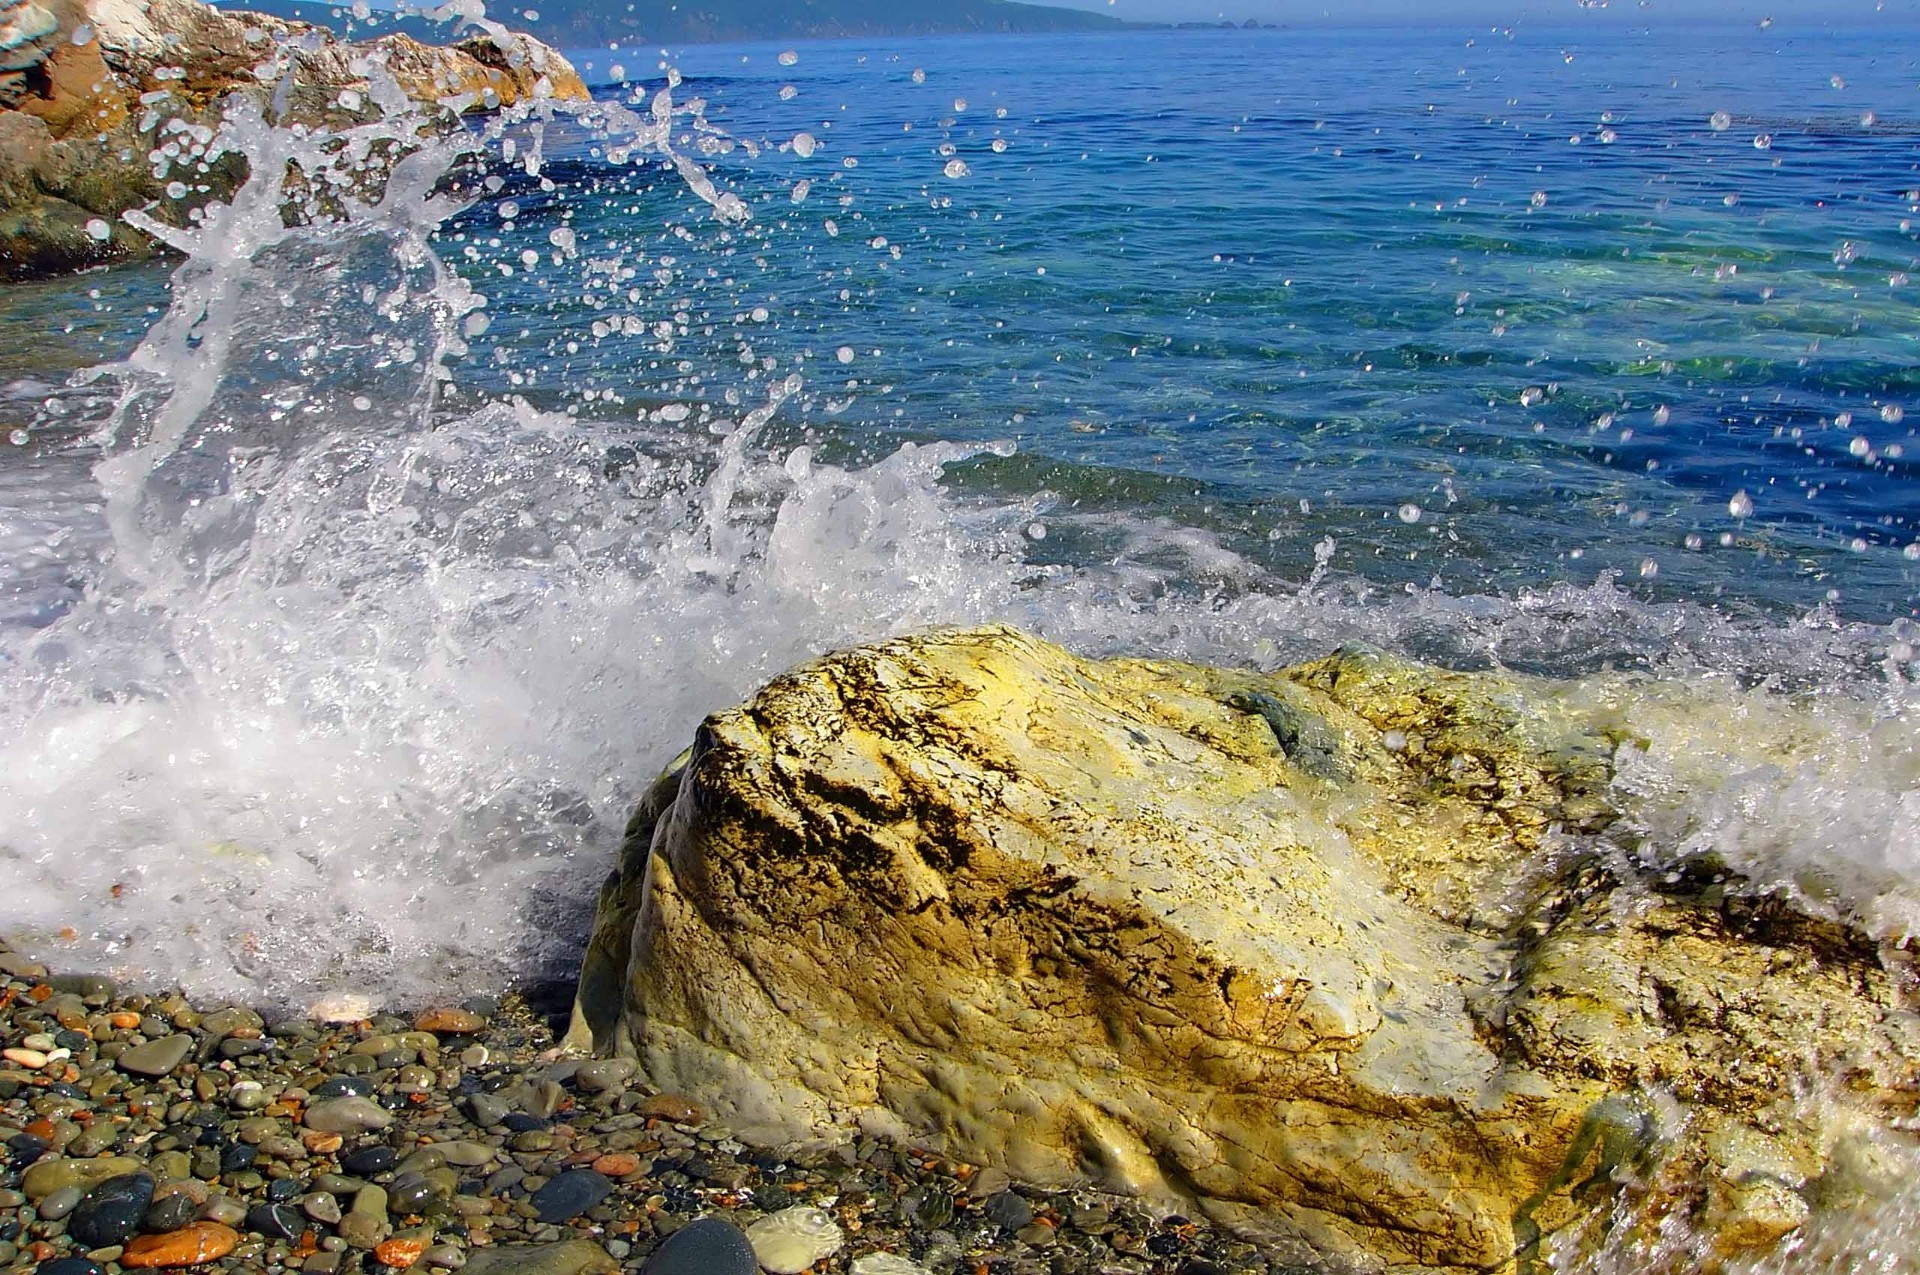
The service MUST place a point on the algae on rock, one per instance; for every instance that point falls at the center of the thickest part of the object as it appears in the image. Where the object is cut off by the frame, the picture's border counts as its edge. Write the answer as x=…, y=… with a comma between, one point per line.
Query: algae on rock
x=1341, y=955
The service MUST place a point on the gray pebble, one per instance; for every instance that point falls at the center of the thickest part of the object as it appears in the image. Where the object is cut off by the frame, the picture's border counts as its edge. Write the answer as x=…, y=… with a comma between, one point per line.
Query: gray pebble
x=157, y=1057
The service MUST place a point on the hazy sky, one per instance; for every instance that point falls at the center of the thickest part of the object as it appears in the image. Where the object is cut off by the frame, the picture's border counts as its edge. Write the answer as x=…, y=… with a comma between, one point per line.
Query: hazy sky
x=1785, y=13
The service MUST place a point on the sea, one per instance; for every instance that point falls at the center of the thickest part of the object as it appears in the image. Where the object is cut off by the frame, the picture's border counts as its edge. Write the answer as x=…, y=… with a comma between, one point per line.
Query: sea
x=356, y=577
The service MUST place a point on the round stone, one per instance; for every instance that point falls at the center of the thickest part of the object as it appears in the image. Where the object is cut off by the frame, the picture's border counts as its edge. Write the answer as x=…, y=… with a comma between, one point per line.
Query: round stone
x=68, y=1266
x=156, y=1057
x=792, y=1240
x=169, y=1213
x=710, y=1246
x=367, y=1161
x=111, y=1212
x=351, y=1114
x=570, y=1194
x=276, y=1221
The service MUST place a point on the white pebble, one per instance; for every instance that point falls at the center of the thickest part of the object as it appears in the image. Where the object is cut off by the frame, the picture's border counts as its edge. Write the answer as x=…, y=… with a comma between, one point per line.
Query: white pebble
x=792, y=1240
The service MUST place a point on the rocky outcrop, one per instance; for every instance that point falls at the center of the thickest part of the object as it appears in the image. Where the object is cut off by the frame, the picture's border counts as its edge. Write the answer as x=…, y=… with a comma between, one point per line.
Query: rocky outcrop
x=1348, y=955
x=103, y=102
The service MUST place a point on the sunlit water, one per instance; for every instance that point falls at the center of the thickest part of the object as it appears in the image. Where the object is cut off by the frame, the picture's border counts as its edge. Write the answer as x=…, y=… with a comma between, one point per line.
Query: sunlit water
x=343, y=618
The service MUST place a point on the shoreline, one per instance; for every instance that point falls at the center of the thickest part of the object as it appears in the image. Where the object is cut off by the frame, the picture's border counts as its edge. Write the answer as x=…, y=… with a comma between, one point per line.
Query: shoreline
x=458, y=1136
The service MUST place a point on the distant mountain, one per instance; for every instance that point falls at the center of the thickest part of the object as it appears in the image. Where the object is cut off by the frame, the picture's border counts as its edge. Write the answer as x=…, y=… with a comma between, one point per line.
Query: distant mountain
x=575, y=23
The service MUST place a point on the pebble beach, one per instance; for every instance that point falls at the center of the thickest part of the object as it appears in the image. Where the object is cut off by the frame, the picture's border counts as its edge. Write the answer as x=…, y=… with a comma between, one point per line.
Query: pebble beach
x=145, y=1132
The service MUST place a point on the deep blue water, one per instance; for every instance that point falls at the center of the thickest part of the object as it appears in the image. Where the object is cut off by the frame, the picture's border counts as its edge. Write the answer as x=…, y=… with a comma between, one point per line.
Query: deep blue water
x=1546, y=285
x=1493, y=309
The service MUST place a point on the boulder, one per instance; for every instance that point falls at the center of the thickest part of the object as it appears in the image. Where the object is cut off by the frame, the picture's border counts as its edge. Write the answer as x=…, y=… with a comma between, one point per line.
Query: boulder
x=1351, y=956
x=91, y=89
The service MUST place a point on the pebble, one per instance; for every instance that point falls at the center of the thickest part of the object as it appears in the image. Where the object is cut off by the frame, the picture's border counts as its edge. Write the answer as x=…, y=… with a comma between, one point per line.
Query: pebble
x=157, y=1057
x=886, y=1264
x=523, y=1165
x=367, y=1161
x=790, y=1241
x=189, y=1246
x=48, y=1176
x=672, y=1108
x=366, y=1225
x=709, y=1246
x=275, y=1221
x=60, y=1203
x=604, y=1074
x=571, y=1194
x=1009, y=1210
x=170, y=1212
x=321, y=1207
x=569, y=1257
x=449, y=1021
x=351, y=1114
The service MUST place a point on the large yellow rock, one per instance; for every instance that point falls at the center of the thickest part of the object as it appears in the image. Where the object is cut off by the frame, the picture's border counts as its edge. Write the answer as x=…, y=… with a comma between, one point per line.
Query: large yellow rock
x=1332, y=953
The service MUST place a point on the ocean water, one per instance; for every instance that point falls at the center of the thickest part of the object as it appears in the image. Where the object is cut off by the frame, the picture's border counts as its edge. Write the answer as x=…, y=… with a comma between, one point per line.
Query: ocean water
x=355, y=579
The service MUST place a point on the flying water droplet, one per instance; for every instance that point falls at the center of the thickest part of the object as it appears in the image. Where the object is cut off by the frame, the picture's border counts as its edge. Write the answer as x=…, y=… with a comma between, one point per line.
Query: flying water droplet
x=789, y=57
x=1741, y=506
x=956, y=168
x=1410, y=513
x=804, y=145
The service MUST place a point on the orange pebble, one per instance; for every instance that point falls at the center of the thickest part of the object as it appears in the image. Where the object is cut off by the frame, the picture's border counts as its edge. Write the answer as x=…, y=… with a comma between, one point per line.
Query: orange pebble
x=188, y=1246
x=322, y=1143
x=399, y=1253
x=124, y=1020
x=41, y=1128
x=617, y=1164
x=449, y=1020
x=41, y=993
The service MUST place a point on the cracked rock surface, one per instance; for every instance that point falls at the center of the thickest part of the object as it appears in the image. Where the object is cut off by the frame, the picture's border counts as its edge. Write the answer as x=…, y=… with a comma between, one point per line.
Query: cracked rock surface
x=1348, y=956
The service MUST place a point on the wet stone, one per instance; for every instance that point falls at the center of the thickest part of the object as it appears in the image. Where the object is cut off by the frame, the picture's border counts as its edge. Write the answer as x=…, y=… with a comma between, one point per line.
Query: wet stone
x=156, y=1057
x=237, y=1157
x=59, y=1203
x=1008, y=1210
x=111, y=1211
x=69, y=1266
x=792, y=1240
x=352, y=1114
x=709, y=1246
x=571, y=1194
x=321, y=1207
x=343, y=1087
x=169, y=1213
x=367, y=1161
x=569, y=1257
x=276, y=1221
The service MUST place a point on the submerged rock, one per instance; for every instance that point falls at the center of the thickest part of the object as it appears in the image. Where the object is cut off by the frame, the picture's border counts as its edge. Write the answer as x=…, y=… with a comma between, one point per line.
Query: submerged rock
x=89, y=89
x=1344, y=955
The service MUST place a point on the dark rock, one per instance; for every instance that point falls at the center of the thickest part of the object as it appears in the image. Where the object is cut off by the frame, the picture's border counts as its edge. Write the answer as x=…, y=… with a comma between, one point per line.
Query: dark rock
x=709, y=1246
x=367, y=1161
x=237, y=1158
x=111, y=1212
x=343, y=1087
x=521, y=1122
x=69, y=1266
x=276, y=1221
x=280, y=1190
x=169, y=1213
x=1008, y=1210
x=571, y=1194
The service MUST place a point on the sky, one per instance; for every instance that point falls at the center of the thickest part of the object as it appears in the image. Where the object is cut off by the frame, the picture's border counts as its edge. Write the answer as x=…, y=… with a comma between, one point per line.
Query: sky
x=1796, y=12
